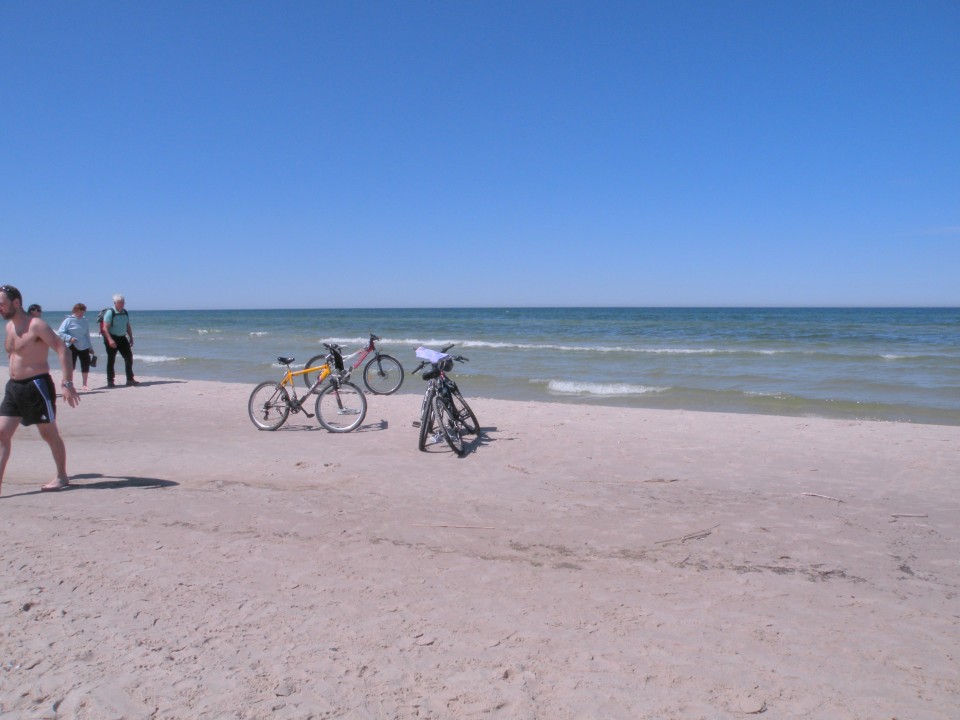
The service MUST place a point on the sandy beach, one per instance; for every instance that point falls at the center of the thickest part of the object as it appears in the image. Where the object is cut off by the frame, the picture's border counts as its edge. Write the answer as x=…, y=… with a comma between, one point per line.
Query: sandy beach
x=579, y=562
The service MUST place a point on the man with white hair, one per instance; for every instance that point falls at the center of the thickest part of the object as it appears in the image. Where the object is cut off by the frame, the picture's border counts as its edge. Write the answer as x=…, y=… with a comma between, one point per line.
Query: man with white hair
x=118, y=338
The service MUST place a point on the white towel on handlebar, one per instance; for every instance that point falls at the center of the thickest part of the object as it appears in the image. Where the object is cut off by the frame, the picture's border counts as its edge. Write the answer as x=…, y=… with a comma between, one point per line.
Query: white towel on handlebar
x=431, y=356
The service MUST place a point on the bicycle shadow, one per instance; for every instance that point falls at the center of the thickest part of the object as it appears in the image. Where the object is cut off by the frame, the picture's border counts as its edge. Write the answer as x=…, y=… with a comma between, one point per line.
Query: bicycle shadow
x=481, y=439
x=115, y=482
x=470, y=446
x=366, y=427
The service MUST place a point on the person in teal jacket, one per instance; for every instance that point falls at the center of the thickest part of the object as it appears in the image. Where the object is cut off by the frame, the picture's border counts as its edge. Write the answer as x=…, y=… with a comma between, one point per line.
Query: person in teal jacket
x=118, y=338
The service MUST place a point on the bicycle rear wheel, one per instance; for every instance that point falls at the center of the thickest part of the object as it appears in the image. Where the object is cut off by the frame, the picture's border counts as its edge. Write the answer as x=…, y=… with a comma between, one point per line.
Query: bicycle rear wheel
x=446, y=419
x=466, y=416
x=383, y=375
x=341, y=407
x=317, y=361
x=269, y=405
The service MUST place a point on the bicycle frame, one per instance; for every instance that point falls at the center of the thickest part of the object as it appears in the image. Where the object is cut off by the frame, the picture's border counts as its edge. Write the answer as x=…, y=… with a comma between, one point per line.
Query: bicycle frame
x=289, y=375
x=271, y=402
x=436, y=387
x=325, y=372
x=364, y=353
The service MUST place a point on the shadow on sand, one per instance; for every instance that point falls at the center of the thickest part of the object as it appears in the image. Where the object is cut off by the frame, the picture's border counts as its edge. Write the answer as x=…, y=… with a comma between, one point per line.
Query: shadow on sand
x=104, y=482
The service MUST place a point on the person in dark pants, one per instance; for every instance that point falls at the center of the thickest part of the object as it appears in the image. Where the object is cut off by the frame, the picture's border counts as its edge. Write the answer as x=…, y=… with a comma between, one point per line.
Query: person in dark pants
x=118, y=338
x=75, y=332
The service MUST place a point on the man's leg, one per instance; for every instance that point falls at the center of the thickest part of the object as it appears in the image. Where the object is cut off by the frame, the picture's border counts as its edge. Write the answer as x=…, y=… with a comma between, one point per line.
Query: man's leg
x=123, y=347
x=111, y=362
x=50, y=433
x=8, y=426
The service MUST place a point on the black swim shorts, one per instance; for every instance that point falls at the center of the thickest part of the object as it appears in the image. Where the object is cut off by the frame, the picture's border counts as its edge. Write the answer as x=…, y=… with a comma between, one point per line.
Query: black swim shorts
x=33, y=400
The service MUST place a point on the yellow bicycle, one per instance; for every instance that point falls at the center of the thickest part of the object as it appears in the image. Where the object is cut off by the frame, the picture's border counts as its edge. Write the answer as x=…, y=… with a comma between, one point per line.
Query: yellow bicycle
x=340, y=407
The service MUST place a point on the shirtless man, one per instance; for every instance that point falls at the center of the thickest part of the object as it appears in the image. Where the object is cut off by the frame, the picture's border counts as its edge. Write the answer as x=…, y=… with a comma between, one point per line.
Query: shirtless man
x=31, y=395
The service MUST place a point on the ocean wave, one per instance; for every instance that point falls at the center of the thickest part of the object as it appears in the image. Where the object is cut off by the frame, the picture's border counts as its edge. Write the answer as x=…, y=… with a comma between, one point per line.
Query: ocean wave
x=209, y=331
x=778, y=395
x=895, y=356
x=570, y=387
x=438, y=342
x=259, y=333
x=346, y=342
x=552, y=347
x=159, y=358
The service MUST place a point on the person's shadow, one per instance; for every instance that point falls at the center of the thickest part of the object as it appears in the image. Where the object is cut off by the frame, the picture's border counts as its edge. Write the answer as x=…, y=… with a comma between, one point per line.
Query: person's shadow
x=108, y=482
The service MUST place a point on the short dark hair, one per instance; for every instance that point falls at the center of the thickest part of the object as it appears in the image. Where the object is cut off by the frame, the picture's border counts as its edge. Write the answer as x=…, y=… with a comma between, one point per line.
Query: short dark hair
x=11, y=292
x=34, y=307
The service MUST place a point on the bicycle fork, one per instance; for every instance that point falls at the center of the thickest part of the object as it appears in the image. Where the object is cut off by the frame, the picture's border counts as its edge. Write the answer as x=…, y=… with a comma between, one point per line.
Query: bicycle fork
x=426, y=414
x=341, y=410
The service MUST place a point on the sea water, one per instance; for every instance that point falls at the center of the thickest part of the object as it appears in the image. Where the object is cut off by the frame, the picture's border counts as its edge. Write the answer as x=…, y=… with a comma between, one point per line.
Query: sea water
x=900, y=364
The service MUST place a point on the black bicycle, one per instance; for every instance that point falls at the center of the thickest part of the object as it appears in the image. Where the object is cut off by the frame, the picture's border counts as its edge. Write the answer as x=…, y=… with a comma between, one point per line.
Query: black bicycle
x=443, y=412
x=383, y=374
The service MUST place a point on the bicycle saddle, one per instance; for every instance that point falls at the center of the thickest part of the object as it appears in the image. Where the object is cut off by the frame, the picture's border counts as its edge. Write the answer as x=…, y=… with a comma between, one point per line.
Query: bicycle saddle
x=285, y=360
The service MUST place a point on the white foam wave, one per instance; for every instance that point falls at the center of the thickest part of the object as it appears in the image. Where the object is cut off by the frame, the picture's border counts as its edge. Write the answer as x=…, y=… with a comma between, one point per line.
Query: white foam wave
x=435, y=343
x=569, y=387
x=778, y=395
x=208, y=331
x=344, y=341
x=158, y=358
x=259, y=333
x=552, y=347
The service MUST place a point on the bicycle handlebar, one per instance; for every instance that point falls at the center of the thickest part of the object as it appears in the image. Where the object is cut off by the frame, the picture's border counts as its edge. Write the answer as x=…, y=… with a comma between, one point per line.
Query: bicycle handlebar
x=458, y=358
x=424, y=363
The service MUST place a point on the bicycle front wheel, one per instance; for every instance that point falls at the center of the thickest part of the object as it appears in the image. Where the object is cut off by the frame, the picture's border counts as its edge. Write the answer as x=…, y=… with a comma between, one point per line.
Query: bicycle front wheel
x=383, y=375
x=317, y=362
x=426, y=420
x=445, y=417
x=341, y=407
x=269, y=405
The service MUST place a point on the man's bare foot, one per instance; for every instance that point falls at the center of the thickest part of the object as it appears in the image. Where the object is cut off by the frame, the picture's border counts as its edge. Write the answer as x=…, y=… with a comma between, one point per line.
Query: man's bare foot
x=84, y=388
x=55, y=485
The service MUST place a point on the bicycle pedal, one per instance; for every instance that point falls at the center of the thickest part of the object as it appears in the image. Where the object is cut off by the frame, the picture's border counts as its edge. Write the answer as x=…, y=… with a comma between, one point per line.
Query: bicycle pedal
x=309, y=415
x=416, y=423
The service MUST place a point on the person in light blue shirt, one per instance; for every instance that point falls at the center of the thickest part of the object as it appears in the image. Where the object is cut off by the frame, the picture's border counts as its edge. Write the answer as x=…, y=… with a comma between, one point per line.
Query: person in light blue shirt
x=76, y=334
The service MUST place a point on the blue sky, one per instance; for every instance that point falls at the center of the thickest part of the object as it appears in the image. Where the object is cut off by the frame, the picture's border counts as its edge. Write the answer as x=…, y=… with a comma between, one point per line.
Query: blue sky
x=407, y=154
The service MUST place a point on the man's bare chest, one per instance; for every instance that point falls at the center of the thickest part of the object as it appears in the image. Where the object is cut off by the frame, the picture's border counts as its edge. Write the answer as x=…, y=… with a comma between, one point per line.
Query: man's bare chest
x=20, y=343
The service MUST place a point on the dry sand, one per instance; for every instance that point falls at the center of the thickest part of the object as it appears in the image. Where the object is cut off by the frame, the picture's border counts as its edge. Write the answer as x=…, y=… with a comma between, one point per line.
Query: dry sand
x=580, y=562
